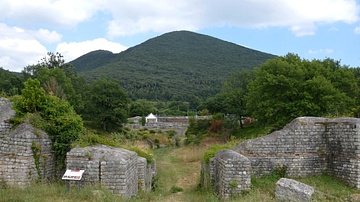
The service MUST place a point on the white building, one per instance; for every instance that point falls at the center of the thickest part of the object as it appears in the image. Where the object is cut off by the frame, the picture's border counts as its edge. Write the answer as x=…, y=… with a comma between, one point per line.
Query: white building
x=151, y=118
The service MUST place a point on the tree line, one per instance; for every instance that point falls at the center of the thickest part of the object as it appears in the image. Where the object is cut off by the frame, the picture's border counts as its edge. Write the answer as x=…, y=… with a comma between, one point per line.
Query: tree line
x=287, y=87
x=273, y=93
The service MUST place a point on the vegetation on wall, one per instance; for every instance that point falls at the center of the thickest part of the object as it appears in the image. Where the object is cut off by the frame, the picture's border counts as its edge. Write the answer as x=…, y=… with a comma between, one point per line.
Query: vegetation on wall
x=56, y=117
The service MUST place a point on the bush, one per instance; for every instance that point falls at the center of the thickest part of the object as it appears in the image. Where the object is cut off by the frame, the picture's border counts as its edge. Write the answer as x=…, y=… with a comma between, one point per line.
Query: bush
x=212, y=150
x=56, y=117
x=216, y=126
x=279, y=171
x=140, y=152
x=171, y=133
x=176, y=189
x=197, y=127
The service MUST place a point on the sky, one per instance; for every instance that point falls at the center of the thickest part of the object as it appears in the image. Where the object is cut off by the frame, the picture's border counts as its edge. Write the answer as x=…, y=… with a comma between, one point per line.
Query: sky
x=313, y=29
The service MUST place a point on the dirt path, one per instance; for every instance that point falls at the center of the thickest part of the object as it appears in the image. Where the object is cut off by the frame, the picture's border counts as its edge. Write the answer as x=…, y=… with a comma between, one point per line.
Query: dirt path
x=178, y=167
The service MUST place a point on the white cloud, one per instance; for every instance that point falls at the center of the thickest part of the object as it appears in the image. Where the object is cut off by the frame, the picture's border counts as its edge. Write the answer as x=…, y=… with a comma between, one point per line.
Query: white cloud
x=17, y=53
x=320, y=51
x=47, y=36
x=301, y=17
x=305, y=30
x=73, y=50
x=31, y=24
x=357, y=30
x=19, y=48
x=66, y=13
x=140, y=16
x=43, y=35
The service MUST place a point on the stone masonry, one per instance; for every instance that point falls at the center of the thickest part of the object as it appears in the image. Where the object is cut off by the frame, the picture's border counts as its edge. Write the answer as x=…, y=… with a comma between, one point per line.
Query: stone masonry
x=6, y=113
x=25, y=152
x=25, y=156
x=293, y=191
x=307, y=146
x=232, y=173
x=119, y=170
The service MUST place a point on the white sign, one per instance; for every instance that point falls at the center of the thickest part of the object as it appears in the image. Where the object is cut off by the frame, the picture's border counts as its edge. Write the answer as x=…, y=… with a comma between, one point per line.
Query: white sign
x=73, y=175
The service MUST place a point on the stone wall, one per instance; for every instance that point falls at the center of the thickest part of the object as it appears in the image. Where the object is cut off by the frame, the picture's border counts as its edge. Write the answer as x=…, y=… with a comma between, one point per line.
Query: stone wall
x=232, y=173
x=25, y=156
x=19, y=166
x=119, y=170
x=178, y=122
x=307, y=146
x=207, y=174
x=146, y=173
x=6, y=113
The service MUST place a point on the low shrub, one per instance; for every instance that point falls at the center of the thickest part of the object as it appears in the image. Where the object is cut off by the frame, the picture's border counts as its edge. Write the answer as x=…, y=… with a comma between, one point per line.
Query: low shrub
x=212, y=150
x=176, y=189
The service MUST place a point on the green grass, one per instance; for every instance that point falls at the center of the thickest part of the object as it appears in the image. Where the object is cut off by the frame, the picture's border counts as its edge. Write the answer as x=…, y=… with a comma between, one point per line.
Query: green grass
x=56, y=192
x=329, y=188
x=252, y=131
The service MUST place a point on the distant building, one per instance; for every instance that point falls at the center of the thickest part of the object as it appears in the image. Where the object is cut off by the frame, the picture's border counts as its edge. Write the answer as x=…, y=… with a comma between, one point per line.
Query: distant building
x=151, y=118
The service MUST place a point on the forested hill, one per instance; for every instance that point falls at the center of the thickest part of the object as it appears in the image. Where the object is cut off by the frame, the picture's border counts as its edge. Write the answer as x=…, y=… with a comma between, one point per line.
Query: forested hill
x=174, y=66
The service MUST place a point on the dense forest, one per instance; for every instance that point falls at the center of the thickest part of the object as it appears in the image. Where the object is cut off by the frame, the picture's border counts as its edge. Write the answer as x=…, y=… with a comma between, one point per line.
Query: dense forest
x=177, y=66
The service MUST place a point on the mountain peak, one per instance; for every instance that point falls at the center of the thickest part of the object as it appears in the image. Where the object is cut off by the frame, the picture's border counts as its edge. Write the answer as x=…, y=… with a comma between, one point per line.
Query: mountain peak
x=172, y=66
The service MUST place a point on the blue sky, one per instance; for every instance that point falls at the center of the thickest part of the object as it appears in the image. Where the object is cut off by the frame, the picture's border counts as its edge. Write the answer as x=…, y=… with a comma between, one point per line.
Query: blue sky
x=313, y=29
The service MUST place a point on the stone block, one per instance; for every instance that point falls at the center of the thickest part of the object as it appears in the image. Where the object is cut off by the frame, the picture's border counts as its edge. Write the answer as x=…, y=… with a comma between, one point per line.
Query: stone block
x=293, y=191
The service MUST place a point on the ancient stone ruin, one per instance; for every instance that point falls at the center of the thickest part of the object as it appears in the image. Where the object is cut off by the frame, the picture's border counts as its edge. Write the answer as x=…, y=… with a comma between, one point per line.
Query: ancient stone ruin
x=121, y=171
x=26, y=157
x=25, y=152
x=228, y=179
x=307, y=146
x=292, y=190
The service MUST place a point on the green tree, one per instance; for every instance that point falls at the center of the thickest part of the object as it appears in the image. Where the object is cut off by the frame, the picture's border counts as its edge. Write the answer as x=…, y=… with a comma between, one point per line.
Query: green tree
x=234, y=92
x=59, y=79
x=56, y=117
x=140, y=108
x=56, y=81
x=62, y=124
x=33, y=96
x=215, y=104
x=10, y=83
x=288, y=87
x=109, y=103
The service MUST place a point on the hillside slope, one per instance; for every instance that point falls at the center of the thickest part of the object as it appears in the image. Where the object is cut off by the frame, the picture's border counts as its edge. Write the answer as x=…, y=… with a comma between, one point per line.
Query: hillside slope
x=174, y=66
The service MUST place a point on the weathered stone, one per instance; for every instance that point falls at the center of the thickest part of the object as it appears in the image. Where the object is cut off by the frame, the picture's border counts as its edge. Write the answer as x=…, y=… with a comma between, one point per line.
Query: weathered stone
x=25, y=156
x=355, y=198
x=232, y=173
x=307, y=146
x=291, y=190
x=120, y=170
